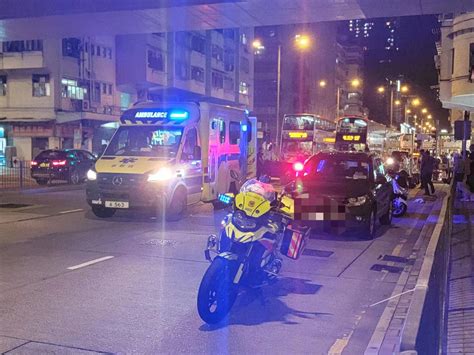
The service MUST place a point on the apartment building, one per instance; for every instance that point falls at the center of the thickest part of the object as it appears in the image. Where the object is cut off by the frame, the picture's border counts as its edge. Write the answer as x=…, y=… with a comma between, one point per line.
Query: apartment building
x=215, y=65
x=69, y=93
x=455, y=64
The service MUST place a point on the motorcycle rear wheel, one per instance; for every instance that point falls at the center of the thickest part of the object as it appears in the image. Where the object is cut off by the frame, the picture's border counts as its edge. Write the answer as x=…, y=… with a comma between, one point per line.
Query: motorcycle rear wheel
x=217, y=292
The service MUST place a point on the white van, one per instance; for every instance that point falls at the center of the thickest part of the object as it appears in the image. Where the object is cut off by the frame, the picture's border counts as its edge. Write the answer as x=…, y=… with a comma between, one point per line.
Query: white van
x=167, y=156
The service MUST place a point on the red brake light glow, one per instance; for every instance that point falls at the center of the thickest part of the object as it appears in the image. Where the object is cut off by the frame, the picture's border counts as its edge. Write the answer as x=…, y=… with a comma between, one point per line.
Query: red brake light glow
x=59, y=162
x=34, y=163
x=298, y=166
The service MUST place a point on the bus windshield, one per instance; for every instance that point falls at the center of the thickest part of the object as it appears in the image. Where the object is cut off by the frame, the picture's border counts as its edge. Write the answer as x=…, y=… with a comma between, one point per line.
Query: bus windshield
x=352, y=125
x=294, y=122
x=294, y=149
x=145, y=141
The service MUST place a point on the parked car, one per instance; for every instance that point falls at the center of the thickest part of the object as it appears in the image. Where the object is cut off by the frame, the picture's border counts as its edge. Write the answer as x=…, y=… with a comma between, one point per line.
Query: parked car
x=70, y=165
x=348, y=188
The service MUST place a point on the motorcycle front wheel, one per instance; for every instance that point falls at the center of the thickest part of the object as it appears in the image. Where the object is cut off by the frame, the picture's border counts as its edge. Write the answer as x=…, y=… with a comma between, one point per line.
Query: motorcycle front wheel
x=217, y=292
x=398, y=208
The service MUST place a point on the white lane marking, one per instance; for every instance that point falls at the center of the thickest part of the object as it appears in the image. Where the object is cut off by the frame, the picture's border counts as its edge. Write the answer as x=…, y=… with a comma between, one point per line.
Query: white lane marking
x=95, y=261
x=71, y=211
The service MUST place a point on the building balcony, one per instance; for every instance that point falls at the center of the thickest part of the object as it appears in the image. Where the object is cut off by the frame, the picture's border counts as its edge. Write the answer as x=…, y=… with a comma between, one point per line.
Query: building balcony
x=21, y=60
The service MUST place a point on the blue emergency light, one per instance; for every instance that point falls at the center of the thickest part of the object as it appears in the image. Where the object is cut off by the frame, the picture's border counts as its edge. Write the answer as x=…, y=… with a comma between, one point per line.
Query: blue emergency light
x=179, y=115
x=225, y=199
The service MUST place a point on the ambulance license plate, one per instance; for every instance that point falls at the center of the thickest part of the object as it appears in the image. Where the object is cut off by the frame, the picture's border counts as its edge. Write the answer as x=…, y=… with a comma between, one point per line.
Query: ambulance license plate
x=116, y=204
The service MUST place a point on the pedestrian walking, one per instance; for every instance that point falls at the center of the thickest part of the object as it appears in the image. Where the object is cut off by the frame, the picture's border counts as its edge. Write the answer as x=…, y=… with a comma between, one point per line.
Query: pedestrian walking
x=427, y=167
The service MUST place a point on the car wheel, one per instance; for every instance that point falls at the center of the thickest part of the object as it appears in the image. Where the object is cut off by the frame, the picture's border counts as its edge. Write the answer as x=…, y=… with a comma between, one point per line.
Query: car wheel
x=41, y=181
x=74, y=177
x=371, y=225
x=177, y=206
x=102, y=212
x=386, y=219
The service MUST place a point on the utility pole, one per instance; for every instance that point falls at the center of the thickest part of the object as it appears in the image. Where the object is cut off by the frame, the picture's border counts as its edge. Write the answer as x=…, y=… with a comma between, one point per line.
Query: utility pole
x=391, y=105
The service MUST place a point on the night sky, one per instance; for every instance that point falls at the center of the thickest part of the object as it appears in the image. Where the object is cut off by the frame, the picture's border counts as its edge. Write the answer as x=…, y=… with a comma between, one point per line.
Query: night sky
x=415, y=38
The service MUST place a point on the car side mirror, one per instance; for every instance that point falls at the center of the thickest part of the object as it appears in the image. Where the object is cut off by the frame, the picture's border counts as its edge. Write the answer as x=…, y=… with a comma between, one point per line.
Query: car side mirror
x=380, y=180
x=197, y=153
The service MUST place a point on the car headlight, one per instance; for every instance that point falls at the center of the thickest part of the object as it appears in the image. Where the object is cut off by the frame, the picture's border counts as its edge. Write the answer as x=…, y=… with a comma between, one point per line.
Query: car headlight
x=162, y=174
x=357, y=201
x=91, y=175
x=390, y=161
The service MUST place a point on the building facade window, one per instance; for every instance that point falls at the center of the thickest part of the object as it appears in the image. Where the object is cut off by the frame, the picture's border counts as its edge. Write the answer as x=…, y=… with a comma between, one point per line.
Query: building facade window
x=71, y=89
x=228, y=84
x=471, y=62
x=244, y=88
x=244, y=65
x=96, y=92
x=22, y=46
x=182, y=39
x=229, y=60
x=104, y=88
x=217, y=53
x=71, y=47
x=110, y=86
x=217, y=80
x=181, y=70
x=155, y=60
x=109, y=53
x=3, y=85
x=41, y=85
x=197, y=74
x=229, y=33
x=452, y=61
x=198, y=44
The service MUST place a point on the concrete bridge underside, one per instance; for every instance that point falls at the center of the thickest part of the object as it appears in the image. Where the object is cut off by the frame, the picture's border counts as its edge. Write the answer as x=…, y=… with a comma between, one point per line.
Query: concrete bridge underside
x=27, y=19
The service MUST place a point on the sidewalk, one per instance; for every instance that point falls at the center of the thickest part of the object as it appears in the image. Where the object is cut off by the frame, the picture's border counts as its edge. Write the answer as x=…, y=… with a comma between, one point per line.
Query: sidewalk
x=460, y=307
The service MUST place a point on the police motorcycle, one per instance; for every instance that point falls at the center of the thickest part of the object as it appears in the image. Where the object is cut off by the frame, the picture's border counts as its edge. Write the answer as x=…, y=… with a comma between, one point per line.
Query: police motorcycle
x=400, y=186
x=247, y=251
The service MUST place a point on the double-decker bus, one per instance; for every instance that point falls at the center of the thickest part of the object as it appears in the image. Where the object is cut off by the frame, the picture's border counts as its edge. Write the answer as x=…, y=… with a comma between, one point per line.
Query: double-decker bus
x=359, y=133
x=303, y=135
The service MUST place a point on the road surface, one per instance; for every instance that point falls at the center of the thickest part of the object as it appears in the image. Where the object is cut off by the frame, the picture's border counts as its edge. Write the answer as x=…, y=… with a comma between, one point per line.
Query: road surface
x=72, y=283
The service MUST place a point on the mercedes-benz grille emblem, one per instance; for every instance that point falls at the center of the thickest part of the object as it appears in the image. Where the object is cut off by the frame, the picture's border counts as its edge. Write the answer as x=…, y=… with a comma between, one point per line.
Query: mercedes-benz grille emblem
x=117, y=181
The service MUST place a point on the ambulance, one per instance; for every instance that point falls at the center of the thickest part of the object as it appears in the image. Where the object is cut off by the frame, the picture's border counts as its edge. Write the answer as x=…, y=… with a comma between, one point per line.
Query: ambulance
x=167, y=156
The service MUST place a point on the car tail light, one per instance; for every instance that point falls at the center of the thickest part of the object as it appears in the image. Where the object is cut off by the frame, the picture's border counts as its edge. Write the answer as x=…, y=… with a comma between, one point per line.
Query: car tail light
x=59, y=162
x=34, y=163
x=298, y=166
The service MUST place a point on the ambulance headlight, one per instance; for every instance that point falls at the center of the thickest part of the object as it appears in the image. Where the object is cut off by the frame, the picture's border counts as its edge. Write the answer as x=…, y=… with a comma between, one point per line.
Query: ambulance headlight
x=162, y=174
x=91, y=175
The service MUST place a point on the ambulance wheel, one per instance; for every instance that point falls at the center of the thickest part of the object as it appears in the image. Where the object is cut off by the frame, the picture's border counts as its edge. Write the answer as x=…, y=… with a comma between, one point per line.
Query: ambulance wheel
x=177, y=206
x=102, y=212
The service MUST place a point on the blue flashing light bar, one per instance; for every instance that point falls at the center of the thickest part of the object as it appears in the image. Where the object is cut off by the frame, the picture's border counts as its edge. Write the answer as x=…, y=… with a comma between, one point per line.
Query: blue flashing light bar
x=225, y=199
x=179, y=115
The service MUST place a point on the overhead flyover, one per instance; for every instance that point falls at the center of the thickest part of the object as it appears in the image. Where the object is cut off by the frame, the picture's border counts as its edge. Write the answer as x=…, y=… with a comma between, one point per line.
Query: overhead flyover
x=28, y=19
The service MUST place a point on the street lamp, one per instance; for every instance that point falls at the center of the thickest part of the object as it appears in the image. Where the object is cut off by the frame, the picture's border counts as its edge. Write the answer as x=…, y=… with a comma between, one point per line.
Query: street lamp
x=355, y=83
x=398, y=102
x=404, y=89
x=430, y=117
x=416, y=102
x=425, y=110
x=381, y=89
x=323, y=83
x=302, y=42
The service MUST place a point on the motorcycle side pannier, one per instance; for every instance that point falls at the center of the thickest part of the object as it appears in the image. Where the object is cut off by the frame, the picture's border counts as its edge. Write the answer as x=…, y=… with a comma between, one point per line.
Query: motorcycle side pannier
x=293, y=243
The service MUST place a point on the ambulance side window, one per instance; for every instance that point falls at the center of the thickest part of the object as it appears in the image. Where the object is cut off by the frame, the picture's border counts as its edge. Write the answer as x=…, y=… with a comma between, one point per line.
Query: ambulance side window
x=234, y=133
x=222, y=131
x=190, y=144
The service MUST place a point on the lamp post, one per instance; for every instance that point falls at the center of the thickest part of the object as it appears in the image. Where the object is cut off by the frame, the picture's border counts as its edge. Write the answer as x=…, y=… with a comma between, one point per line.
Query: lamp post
x=301, y=42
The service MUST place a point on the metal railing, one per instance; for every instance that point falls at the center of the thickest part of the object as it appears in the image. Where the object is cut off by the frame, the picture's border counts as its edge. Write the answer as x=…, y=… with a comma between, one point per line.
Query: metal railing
x=16, y=176
x=425, y=326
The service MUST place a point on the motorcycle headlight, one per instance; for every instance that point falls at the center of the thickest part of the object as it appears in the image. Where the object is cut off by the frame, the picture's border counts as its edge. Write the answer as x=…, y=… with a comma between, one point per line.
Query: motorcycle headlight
x=241, y=221
x=91, y=175
x=390, y=161
x=162, y=174
x=357, y=201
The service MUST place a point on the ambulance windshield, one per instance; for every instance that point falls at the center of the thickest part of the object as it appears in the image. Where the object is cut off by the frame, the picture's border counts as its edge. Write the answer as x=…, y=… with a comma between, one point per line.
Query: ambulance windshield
x=145, y=141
